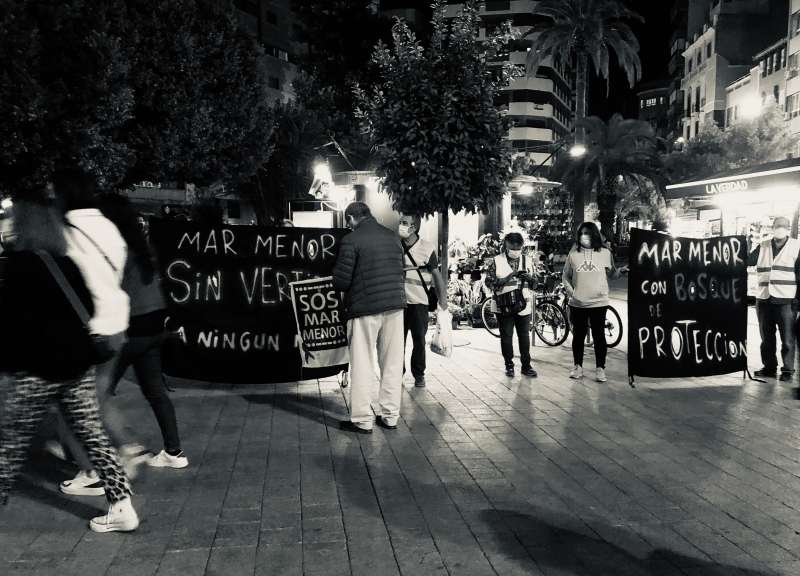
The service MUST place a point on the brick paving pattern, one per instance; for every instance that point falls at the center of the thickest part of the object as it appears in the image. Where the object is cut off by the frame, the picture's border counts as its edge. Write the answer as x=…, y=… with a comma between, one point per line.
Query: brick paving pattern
x=485, y=475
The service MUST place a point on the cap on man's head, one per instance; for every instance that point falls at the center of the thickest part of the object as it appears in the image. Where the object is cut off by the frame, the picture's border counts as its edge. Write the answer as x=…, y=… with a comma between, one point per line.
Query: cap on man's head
x=780, y=221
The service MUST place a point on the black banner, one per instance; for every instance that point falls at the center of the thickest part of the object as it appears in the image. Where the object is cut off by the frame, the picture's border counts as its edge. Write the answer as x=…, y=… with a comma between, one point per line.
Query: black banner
x=229, y=295
x=687, y=305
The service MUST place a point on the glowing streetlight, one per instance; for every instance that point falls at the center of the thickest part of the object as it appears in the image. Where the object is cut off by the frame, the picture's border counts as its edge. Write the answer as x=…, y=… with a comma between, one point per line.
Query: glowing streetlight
x=525, y=190
x=577, y=150
x=6, y=204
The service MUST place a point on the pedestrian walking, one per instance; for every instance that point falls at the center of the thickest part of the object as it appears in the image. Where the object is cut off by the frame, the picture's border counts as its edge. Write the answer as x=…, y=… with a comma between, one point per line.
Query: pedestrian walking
x=145, y=334
x=369, y=270
x=47, y=349
x=96, y=246
x=510, y=276
x=425, y=289
x=585, y=277
x=778, y=270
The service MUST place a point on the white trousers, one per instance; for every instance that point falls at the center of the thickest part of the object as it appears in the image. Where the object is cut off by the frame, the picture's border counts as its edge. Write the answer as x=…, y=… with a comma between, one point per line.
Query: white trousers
x=384, y=331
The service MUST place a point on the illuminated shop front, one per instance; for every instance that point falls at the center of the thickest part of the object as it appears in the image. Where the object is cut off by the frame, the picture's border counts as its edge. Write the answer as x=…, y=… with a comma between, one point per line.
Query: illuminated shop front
x=743, y=201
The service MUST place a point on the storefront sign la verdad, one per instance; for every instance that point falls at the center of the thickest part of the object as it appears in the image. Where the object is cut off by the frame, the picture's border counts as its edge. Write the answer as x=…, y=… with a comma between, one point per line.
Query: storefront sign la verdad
x=723, y=187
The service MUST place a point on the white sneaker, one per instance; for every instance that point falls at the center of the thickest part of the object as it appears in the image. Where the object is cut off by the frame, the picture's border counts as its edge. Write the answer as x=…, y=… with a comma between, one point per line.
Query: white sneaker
x=132, y=456
x=84, y=484
x=601, y=375
x=576, y=373
x=121, y=517
x=164, y=460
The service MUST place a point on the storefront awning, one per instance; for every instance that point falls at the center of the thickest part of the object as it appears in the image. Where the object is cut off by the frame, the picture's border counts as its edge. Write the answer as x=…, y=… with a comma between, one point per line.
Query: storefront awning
x=783, y=176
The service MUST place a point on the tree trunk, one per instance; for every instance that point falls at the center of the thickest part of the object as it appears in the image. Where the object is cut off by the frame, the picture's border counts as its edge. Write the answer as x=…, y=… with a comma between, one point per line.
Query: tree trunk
x=444, y=240
x=607, y=208
x=580, y=113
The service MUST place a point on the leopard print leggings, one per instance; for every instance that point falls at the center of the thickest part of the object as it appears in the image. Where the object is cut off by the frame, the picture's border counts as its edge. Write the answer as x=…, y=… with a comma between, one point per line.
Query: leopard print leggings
x=26, y=405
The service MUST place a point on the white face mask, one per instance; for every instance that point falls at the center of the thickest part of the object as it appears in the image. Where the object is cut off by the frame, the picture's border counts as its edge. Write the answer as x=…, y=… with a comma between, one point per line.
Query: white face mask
x=404, y=231
x=586, y=241
x=780, y=233
x=514, y=254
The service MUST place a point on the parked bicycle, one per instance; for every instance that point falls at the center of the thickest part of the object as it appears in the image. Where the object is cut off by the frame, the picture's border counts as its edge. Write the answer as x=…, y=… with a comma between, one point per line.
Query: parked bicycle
x=549, y=321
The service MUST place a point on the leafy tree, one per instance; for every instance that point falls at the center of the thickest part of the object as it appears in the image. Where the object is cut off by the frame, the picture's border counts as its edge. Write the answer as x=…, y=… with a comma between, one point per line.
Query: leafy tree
x=140, y=90
x=766, y=138
x=581, y=32
x=64, y=92
x=621, y=152
x=439, y=140
x=201, y=113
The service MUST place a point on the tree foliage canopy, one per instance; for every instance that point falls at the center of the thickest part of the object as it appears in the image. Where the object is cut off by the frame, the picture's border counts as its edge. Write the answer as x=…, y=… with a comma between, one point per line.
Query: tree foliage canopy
x=439, y=140
x=143, y=89
x=766, y=138
x=595, y=28
x=620, y=153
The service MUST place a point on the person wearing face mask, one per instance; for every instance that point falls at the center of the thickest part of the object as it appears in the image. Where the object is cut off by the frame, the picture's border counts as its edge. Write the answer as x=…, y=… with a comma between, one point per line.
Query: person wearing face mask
x=778, y=269
x=424, y=286
x=369, y=270
x=507, y=272
x=585, y=278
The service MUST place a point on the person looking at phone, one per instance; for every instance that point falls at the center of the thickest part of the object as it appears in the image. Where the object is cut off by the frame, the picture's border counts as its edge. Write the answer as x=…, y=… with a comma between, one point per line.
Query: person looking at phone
x=509, y=272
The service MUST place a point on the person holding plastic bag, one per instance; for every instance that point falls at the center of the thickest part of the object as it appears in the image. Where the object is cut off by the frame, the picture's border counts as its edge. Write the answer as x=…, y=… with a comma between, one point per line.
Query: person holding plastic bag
x=442, y=342
x=510, y=276
x=425, y=288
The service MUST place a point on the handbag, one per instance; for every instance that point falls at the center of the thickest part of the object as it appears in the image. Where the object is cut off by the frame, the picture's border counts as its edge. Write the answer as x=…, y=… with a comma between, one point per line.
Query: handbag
x=513, y=302
x=433, y=300
x=101, y=349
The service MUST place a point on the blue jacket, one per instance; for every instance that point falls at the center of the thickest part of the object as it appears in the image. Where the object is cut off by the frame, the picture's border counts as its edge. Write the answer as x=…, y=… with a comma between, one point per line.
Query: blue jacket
x=369, y=270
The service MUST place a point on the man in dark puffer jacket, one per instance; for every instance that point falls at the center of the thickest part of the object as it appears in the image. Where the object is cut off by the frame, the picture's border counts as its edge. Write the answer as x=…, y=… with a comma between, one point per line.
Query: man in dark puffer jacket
x=369, y=270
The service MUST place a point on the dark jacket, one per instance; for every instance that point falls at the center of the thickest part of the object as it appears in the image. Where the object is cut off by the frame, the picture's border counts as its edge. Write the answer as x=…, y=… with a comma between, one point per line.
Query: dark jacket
x=41, y=332
x=369, y=270
x=148, y=307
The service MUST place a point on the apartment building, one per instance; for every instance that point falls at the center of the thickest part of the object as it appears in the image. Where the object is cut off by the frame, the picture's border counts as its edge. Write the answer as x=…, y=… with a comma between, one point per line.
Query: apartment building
x=271, y=22
x=654, y=105
x=722, y=37
x=764, y=85
x=541, y=106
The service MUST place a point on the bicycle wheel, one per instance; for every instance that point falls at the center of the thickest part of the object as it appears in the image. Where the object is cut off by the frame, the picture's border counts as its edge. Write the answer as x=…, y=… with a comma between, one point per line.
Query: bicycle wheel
x=550, y=323
x=489, y=318
x=613, y=328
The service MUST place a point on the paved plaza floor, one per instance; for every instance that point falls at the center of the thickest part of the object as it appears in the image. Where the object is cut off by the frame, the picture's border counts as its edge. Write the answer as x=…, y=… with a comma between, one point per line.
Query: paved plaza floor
x=485, y=475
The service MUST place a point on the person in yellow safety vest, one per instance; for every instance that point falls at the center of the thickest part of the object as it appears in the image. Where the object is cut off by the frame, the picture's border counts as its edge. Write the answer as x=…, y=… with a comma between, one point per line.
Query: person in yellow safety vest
x=508, y=271
x=778, y=269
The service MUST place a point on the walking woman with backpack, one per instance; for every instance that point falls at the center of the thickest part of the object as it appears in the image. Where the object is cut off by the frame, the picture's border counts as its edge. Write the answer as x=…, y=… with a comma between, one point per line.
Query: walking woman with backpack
x=48, y=350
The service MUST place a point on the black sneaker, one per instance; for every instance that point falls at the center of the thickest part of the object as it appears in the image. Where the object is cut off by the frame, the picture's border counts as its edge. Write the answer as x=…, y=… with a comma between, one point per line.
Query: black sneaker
x=529, y=372
x=765, y=373
x=382, y=423
x=348, y=426
x=510, y=371
x=419, y=382
x=786, y=377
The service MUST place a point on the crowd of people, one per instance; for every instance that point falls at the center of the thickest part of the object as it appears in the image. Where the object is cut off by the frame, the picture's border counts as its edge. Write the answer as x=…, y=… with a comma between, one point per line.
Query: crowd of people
x=83, y=295
x=391, y=284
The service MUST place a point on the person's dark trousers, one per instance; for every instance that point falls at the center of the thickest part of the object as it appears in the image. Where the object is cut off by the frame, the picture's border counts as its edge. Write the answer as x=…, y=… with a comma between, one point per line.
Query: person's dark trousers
x=771, y=317
x=144, y=354
x=416, y=322
x=581, y=318
x=523, y=327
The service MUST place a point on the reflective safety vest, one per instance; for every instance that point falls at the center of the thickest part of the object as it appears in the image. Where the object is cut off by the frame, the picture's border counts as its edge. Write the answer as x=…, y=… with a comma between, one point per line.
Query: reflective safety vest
x=776, y=277
x=503, y=269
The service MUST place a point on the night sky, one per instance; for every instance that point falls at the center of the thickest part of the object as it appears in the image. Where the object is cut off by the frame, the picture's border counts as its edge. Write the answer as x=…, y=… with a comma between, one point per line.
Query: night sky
x=653, y=37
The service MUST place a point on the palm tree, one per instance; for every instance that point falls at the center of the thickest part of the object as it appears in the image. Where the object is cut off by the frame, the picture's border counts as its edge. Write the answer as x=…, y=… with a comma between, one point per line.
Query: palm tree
x=577, y=31
x=621, y=157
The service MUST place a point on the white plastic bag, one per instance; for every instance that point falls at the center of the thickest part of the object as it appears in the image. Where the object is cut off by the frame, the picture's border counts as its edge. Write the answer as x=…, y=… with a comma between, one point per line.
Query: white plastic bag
x=442, y=342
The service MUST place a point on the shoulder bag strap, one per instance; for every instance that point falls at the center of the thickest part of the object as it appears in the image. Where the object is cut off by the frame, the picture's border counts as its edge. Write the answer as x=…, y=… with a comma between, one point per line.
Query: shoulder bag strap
x=414, y=263
x=65, y=286
x=96, y=245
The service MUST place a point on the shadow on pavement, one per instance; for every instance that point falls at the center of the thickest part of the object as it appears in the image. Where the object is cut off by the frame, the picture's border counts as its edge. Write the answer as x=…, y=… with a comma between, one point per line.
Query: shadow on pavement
x=569, y=552
x=311, y=407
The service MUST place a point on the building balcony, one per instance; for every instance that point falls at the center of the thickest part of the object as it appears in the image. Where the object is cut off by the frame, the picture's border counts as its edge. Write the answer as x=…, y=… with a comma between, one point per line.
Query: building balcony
x=541, y=134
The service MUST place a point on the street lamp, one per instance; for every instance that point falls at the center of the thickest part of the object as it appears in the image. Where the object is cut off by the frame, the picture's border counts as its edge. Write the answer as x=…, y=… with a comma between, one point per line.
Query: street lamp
x=6, y=204
x=577, y=150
